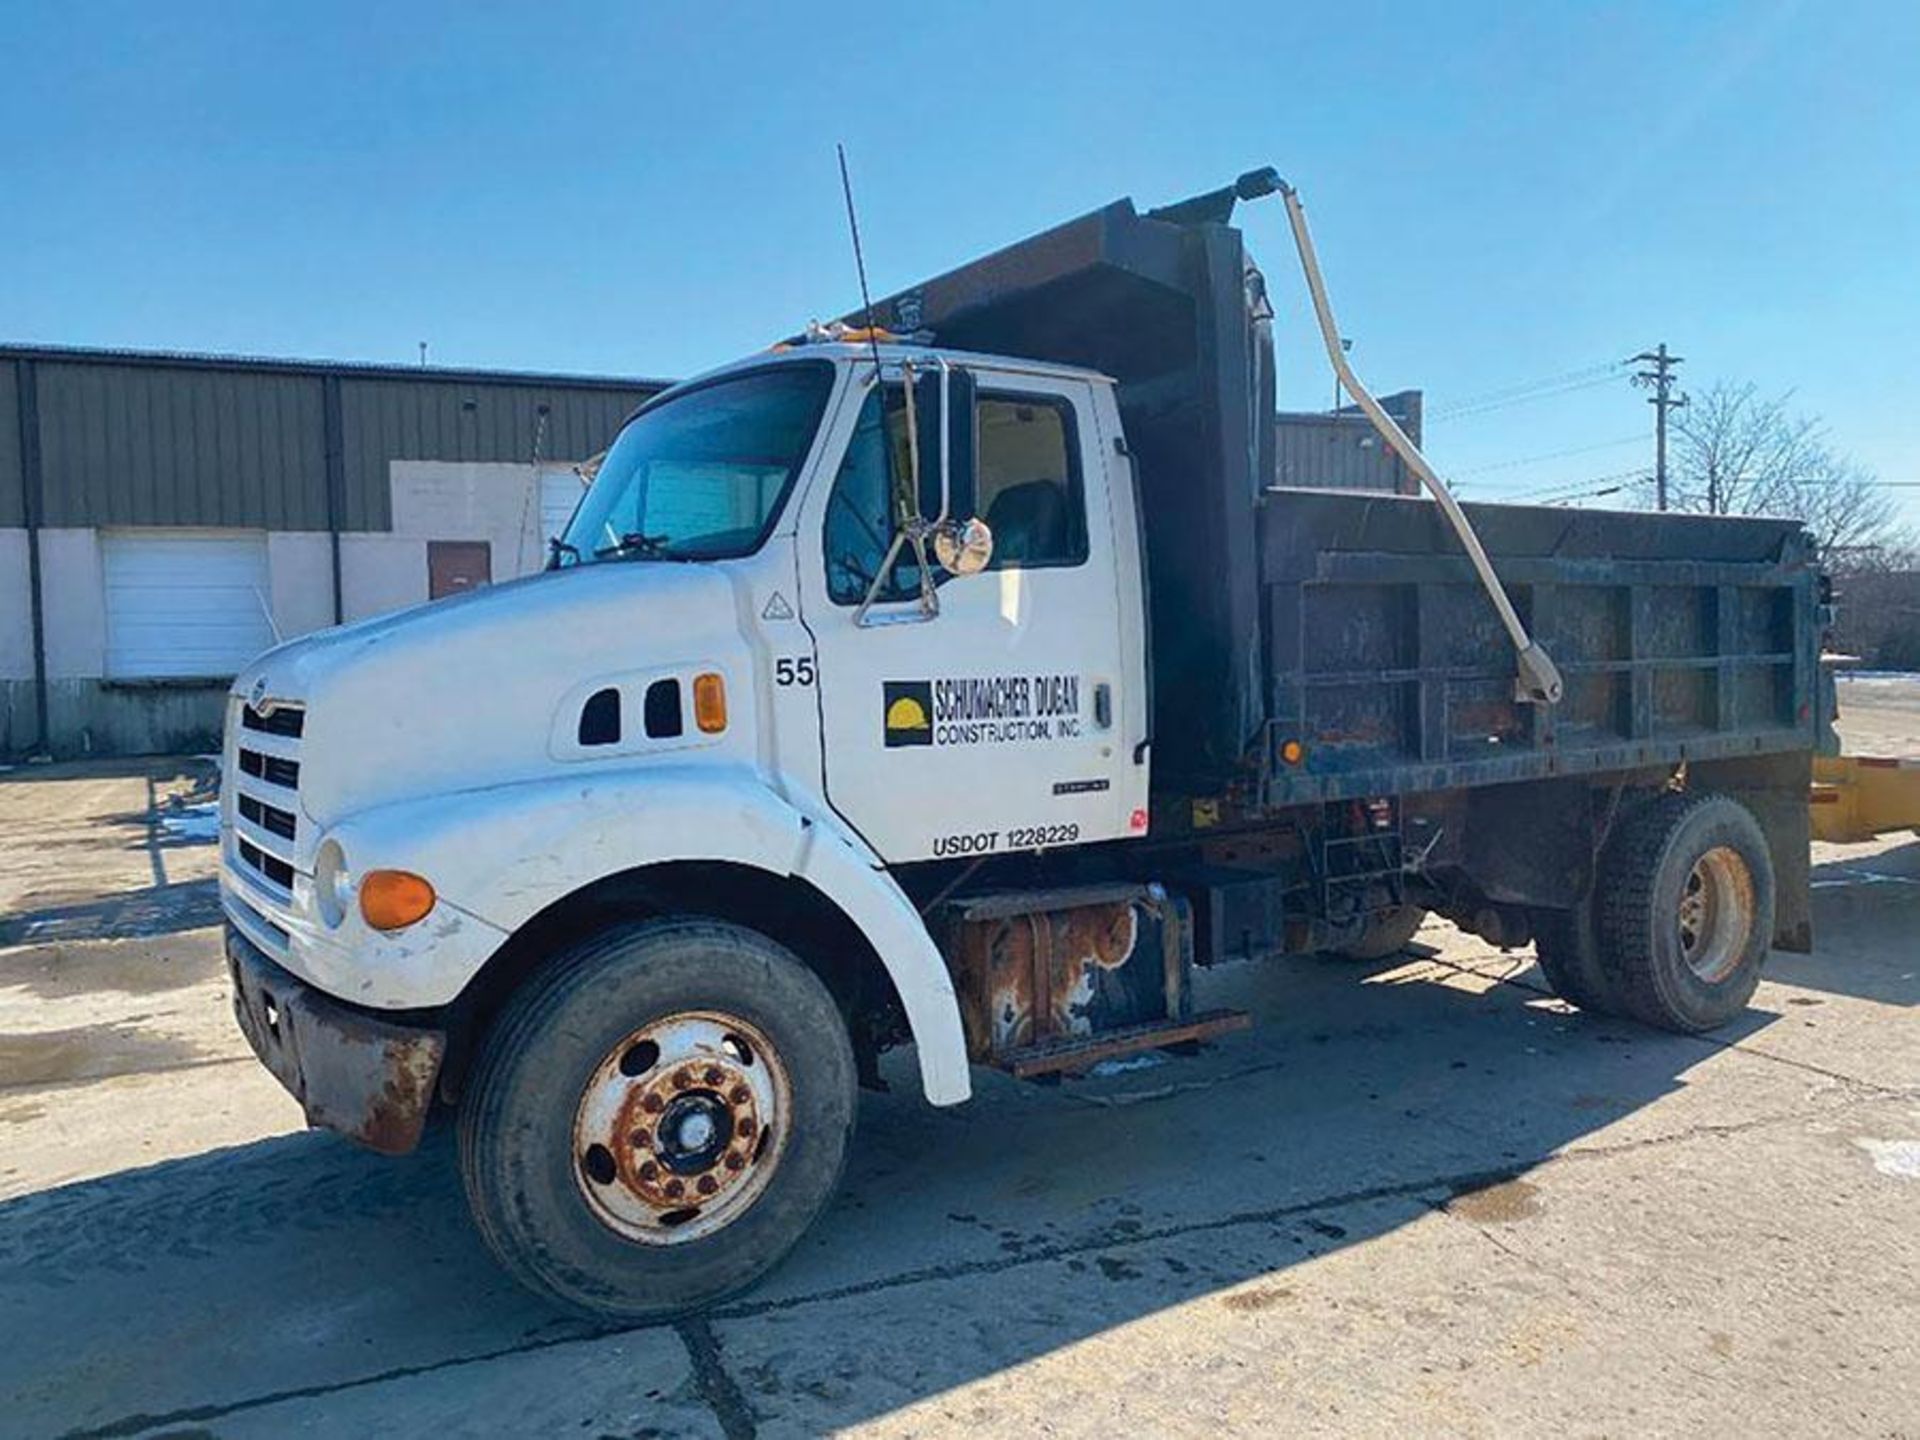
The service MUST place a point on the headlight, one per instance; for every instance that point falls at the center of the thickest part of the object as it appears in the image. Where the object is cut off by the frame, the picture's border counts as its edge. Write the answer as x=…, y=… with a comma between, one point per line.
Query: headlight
x=333, y=888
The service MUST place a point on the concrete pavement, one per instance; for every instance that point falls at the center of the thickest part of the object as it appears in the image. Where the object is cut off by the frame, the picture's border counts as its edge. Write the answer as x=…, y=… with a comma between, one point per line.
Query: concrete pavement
x=1421, y=1195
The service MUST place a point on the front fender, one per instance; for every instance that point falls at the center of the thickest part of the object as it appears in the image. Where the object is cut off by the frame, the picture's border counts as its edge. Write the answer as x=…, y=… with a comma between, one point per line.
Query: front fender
x=505, y=853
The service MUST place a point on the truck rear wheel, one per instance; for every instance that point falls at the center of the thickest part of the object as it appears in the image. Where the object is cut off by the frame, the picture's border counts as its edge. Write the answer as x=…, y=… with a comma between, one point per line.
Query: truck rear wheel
x=657, y=1118
x=1385, y=933
x=1685, y=916
x=1567, y=947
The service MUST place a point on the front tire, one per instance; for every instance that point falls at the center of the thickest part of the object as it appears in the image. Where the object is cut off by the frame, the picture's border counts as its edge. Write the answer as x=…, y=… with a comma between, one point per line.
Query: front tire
x=1686, y=911
x=657, y=1118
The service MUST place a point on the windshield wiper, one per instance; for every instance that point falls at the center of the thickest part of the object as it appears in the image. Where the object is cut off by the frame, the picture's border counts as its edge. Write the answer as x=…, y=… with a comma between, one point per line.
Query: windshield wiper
x=556, y=547
x=651, y=547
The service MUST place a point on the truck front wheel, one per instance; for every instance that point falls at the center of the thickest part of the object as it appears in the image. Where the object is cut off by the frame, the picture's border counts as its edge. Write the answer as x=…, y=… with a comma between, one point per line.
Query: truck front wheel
x=1686, y=911
x=657, y=1118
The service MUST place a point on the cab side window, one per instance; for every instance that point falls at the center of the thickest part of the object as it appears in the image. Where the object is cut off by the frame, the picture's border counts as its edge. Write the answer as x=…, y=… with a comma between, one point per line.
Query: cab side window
x=1027, y=463
x=859, y=510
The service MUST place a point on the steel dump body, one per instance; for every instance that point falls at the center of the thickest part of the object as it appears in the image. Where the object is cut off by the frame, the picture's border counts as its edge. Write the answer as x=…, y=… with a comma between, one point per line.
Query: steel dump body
x=1351, y=622
x=1680, y=637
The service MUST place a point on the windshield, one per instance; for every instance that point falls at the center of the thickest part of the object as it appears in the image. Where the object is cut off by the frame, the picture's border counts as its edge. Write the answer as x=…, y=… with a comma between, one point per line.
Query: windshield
x=702, y=475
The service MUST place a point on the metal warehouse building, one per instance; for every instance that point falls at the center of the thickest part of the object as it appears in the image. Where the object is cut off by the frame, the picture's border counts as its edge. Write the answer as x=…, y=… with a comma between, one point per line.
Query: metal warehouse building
x=164, y=518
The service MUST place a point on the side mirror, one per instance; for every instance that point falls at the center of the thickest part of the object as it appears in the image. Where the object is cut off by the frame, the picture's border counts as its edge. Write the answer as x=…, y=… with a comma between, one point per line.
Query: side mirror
x=963, y=548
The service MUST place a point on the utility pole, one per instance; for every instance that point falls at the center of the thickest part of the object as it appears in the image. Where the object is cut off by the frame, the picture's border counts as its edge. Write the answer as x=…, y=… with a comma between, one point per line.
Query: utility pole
x=1660, y=379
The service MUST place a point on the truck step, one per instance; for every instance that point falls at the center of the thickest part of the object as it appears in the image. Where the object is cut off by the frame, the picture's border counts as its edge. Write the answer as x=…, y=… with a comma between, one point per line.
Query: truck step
x=1062, y=1055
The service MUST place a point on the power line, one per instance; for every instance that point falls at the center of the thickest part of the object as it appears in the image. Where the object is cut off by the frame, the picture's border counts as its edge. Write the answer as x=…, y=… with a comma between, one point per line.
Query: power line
x=1465, y=411
x=1549, y=455
x=1522, y=387
x=1555, y=492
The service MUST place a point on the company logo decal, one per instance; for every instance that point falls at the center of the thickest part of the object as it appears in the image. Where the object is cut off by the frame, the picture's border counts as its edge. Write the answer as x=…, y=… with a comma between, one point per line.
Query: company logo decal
x=909, y=712
x=983, y=710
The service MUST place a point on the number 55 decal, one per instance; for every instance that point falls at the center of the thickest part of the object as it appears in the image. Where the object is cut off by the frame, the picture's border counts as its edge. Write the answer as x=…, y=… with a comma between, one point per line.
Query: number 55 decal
x=793, y=670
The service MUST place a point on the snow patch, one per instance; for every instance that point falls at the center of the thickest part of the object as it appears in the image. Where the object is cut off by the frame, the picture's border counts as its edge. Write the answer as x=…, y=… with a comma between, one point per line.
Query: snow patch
x=1898, y=1158
x=193, y=822
x=1146, y=1060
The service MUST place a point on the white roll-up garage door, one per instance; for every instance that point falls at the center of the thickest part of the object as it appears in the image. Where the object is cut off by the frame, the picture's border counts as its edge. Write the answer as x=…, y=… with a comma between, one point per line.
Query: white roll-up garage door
x=560, y=491
x=184, y=604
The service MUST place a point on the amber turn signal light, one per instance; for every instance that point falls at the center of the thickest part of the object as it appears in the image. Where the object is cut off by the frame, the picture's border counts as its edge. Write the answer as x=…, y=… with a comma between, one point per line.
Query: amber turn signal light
x=1293, y=752
x=394, y=899
x=710, y=703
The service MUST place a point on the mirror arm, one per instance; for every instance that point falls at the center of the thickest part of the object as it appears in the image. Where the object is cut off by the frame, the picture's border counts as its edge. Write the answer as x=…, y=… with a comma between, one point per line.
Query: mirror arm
x=909, y=527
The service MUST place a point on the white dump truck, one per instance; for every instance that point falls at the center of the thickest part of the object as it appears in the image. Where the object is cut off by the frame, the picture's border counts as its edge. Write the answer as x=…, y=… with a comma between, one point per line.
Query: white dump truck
x=969, y=687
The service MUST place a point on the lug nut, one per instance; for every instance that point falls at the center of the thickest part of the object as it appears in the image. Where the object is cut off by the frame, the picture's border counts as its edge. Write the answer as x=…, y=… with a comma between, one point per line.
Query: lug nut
x=675, y=1189
x=708, y=1185
x=735, y=1161
x=745, y=1127
x=649, y=1171
x=638, y=1139
x=715, y=1075
x=739, y=1095
x=683, y=1080
x=652, y=1104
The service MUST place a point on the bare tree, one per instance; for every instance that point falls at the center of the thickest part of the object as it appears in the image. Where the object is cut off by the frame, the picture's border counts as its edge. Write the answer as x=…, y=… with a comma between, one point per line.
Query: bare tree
x=1736, y=452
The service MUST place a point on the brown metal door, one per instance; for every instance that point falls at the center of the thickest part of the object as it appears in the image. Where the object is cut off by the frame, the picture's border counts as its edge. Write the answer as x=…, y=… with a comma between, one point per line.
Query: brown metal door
x=457, y=565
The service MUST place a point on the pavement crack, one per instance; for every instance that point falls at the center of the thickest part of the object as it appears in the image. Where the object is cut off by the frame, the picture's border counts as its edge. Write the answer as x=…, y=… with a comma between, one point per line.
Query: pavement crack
x=714, y=1384
x=729, y=1406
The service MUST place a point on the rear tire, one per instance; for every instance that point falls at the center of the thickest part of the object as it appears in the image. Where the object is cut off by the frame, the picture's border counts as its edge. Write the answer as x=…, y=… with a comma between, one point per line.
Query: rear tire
x=1685, y=917
x=1385, y=933
x=683, y=1058
x=1567, y=946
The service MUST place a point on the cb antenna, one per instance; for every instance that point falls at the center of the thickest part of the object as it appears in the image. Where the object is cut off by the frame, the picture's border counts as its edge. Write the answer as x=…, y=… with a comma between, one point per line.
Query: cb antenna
x=859, y=260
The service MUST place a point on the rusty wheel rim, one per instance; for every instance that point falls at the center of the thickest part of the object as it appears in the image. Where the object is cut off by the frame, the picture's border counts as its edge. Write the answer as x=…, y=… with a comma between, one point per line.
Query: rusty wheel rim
x=1716, y=913
x=681, y=1127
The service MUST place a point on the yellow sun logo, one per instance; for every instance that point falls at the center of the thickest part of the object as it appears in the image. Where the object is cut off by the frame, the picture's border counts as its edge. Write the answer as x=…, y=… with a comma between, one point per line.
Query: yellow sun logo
x=906, y=713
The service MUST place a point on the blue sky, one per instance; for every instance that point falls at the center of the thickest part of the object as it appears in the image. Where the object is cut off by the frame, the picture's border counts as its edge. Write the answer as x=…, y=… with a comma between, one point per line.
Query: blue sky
x=1500, y=193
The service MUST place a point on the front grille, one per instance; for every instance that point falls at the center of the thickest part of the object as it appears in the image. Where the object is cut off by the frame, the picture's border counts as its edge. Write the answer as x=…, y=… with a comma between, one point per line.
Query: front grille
x=268, y=817
x=266, y=791
x=274, y=769
x=281, y=720
x=271, y=866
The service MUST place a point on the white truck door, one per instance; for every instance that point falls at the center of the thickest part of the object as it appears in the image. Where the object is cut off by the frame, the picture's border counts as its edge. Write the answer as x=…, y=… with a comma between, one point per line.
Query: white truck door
x=998, y=725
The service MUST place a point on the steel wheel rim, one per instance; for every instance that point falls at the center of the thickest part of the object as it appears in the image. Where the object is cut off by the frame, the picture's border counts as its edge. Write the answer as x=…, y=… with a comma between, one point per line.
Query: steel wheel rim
x=681, y=1127
x=1715, y=916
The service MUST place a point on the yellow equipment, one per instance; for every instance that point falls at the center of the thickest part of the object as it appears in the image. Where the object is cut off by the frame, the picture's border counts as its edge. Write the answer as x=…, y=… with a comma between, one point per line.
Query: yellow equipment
x=1856, y=797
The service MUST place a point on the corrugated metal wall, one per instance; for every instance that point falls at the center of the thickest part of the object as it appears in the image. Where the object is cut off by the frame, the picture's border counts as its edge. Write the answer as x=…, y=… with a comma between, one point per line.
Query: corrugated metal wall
x=12, y=513
x=394, y=419
x=1342, y=451
x=129, y=441
x=150, y=445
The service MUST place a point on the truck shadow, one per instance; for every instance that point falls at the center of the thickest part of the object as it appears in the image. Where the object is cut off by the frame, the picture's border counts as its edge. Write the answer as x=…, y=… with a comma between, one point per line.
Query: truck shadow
x=964, y=1243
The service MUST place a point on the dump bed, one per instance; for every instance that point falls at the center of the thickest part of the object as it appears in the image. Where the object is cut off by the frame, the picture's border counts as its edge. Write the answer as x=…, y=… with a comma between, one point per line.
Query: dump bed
x=1352, y=622
x=1680, y=637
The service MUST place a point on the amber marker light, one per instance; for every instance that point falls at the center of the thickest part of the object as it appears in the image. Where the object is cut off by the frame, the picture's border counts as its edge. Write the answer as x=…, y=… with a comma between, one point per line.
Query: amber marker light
x=710, y=703
x=1293, y=752
x=394, y=899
